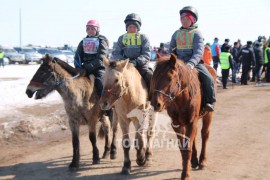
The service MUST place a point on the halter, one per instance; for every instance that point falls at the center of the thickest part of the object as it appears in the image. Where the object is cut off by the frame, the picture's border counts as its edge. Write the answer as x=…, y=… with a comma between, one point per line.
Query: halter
x=53, y=73
x=110, y=91
x=170, y=95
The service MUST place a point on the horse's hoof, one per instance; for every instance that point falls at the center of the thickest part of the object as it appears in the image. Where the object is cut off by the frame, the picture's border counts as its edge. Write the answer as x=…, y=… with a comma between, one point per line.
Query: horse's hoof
x=125, y=171
x=141, y=162
x=113, y=155
x=106, y=155
x=194, y=163
x=73, y=167
x=96, y=161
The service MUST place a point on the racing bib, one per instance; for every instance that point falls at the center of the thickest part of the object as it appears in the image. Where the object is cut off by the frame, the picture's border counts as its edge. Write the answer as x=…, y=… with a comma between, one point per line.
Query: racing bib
x=90, y=45
x=184, y=39
x=132, y=39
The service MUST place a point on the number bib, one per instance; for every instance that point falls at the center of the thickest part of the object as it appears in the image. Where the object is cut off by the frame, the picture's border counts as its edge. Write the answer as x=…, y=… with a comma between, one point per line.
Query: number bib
x=90, y=45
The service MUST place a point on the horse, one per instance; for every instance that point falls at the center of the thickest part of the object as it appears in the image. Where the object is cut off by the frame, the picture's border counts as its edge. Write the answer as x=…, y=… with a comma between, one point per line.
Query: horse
x=177, y=89
x=80, y=101
x=124, y=90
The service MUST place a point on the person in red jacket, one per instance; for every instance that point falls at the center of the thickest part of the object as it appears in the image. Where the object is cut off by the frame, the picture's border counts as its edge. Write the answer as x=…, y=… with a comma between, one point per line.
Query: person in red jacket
x=207, y=55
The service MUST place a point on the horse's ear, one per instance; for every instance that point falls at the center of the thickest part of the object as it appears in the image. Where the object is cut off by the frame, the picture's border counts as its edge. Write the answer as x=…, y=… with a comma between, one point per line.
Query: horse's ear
x=106, y=62
x=173, y=60
x=123, y=65
x=159, y=57
x=47, y=58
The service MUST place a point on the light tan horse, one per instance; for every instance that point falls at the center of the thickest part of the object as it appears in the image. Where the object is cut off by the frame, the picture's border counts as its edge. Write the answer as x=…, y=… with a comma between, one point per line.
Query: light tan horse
x=125, y=89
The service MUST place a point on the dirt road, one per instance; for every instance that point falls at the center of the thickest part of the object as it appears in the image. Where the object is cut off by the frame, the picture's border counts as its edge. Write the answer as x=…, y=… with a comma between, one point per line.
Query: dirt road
x=238, y=148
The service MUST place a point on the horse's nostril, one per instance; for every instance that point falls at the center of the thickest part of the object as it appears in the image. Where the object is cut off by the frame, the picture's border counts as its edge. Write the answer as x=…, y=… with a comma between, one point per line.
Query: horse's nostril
x=158, y=106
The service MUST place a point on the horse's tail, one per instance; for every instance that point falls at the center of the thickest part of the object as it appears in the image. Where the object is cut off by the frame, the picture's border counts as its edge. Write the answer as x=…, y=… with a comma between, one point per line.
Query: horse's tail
x=105, y=127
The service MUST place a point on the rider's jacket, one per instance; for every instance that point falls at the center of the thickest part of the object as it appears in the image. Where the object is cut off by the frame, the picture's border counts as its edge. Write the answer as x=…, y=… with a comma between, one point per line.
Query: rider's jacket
x=134, y=46
x=90, y=49
x=187, y=44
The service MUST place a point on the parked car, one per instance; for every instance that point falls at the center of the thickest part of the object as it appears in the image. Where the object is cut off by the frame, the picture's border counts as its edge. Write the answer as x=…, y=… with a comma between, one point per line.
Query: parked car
x=30, y=54
x=70, y=55
x=53, y=52
x=13, y=56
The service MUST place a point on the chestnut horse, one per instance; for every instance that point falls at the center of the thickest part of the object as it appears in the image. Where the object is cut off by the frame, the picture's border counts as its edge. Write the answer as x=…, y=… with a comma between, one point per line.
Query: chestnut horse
x=80, y=100
x=125, y=90
x=177, y=88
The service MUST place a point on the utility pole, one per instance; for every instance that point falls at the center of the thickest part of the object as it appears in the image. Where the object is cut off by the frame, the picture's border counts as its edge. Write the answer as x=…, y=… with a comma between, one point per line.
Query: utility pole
x=20, y=18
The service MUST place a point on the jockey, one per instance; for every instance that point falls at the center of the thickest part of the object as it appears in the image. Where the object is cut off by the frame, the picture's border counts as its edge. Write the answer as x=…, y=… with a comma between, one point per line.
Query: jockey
x=90, y=53
x=187, y=44
x=136, y=47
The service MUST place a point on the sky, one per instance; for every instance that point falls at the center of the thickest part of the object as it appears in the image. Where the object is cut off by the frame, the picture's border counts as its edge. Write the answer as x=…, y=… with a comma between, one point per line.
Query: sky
x=59, y=22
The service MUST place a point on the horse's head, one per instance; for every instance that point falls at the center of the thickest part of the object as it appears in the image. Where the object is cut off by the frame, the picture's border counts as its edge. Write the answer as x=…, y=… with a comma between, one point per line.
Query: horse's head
x=44, y=80
x=166, y=83
x=113, y=82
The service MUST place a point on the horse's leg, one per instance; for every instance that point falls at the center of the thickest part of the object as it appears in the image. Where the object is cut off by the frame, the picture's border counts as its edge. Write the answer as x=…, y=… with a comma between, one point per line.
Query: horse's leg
x=140, y=143
x=182, y=134
x=106, y=128
x=114, y=120
x=93, y=139
x=194, y=158
x=74, y=127
x=126, y=146
x=150, y=136
x=207, y=119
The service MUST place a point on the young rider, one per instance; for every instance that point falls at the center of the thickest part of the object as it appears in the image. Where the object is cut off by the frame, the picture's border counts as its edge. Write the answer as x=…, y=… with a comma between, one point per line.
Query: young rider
x=187, y=44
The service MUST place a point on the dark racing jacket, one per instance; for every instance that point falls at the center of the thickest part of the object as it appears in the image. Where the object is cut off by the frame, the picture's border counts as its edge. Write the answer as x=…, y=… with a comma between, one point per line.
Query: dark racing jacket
x=91, y=50
x=134, y=46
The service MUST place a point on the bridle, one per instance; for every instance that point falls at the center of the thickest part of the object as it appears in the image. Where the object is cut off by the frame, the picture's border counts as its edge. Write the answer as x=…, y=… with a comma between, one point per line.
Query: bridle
x=111, y=91
x=54, y=74
x=171, y=95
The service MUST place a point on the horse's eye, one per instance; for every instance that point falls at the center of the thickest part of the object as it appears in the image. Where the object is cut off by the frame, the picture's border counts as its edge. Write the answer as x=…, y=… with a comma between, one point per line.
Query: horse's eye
x=116, y=81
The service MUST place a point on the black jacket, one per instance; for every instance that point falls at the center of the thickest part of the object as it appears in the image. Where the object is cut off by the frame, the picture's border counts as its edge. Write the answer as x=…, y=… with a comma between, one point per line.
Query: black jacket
x=235, y=52
x=81, y=58
x=259, y=55
x=248, y=56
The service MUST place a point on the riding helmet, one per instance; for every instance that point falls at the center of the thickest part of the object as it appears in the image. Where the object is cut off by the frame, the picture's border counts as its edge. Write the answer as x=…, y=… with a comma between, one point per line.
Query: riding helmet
x=191, y=10
x=133, y=19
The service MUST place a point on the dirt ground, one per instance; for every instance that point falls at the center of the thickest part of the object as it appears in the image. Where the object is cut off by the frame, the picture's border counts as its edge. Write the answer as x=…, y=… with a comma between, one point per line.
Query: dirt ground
x=238, y=147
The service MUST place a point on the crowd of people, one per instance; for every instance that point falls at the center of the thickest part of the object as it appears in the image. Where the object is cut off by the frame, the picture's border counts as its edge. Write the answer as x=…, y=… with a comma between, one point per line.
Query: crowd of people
x=252, y=57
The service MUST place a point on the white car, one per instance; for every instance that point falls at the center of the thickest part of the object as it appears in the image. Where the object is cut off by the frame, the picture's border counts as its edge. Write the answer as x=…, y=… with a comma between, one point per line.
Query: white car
x=53, y=52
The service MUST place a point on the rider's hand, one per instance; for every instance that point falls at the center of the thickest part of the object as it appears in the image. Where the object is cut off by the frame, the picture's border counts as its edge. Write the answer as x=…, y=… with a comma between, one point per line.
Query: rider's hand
x=133, y=61
x=190, y=66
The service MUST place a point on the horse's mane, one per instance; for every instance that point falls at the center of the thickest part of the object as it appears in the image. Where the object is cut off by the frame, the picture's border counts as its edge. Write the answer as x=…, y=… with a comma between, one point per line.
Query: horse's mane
x=188, y=78
x=71, y=70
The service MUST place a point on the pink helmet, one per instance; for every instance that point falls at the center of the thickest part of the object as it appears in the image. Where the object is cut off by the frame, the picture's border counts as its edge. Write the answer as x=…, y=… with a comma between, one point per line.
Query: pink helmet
x=94, y=23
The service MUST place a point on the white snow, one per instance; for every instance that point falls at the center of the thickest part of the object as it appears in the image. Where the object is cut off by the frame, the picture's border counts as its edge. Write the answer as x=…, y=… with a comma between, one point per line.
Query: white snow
x=13, y=82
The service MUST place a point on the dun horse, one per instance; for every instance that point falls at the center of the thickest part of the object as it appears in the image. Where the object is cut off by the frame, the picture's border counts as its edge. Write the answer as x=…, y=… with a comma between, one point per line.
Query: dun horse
x=125, y=89
x=80, y=100
x=176, y=88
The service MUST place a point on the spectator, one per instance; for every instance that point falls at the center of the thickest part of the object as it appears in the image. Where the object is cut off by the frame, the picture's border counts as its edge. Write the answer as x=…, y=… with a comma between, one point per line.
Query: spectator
x=235, y=52
x=225, y=44
x=215, y=50
x=2, y=55
x=266, y=60
x=248, y=61
x=226, y=63
x=207, y=55
x=162, y=50
x=259, y=60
